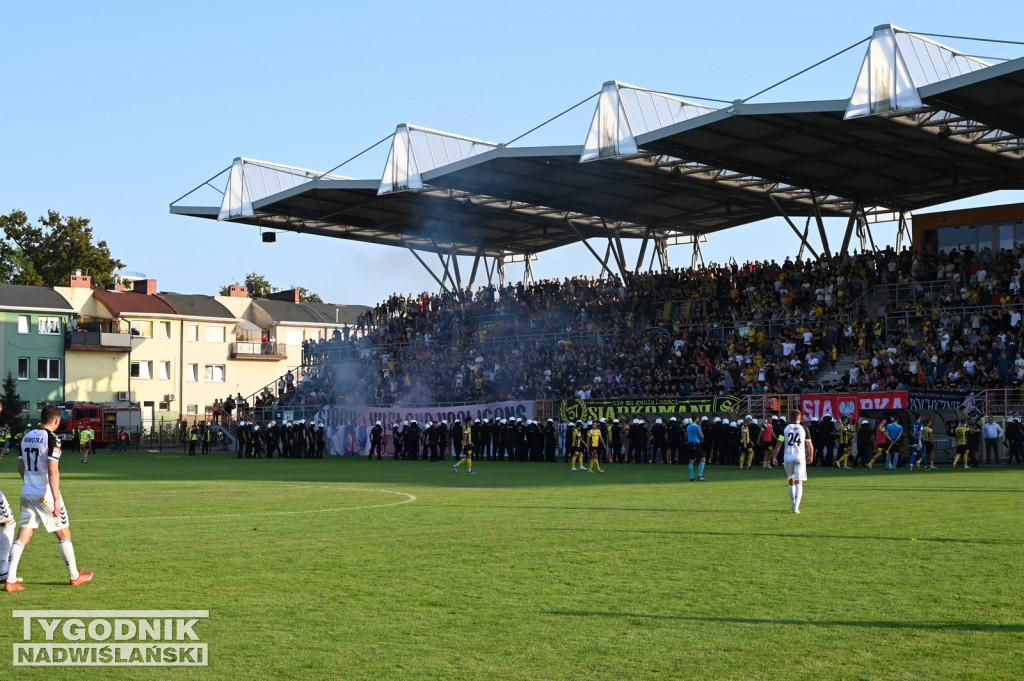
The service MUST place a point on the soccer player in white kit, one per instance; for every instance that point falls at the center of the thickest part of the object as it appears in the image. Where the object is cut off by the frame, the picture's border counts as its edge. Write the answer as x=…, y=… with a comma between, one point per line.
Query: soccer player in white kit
x=799, y=453
x=41, y=501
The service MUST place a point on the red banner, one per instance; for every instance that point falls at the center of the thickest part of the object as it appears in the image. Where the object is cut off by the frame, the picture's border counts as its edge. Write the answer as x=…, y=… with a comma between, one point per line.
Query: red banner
x=843, y=405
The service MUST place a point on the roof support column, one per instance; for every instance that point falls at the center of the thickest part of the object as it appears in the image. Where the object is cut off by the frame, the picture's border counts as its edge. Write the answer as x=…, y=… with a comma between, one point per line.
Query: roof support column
x=662, y=254
x=643, y=249
x=476, y=266
x=427, y=268
x=697, y=253
x=821, y=226
x=458, y=276
x=904, y=231
x=603, y=261
x=849, y=229
x=803, y=239
x=807, y=233
x=528, y=270
x=491, y=269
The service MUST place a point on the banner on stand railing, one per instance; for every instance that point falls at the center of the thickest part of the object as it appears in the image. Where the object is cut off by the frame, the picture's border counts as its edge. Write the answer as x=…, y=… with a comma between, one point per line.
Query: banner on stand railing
x=362, y=415
x=590, y=410
x=849, y=405
x=940, y=400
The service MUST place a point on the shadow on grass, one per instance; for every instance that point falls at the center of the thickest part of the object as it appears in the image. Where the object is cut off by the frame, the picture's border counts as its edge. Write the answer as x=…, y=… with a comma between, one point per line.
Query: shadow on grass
x=792, y=535
x=944, y=490
x=868, y=624
x=221, y=466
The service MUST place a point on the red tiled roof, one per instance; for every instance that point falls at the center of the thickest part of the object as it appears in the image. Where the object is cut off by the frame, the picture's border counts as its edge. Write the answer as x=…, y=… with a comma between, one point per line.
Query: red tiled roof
x=123, y=302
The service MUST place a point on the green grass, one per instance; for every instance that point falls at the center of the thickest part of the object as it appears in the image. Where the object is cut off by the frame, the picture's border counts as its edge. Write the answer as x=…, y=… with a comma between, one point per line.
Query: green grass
x=530, y=571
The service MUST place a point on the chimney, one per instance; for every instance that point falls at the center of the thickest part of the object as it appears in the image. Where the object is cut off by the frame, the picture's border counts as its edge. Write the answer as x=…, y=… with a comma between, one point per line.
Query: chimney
x=79, y=280
x=146, y=286
x=291, y=295
x=238, y=292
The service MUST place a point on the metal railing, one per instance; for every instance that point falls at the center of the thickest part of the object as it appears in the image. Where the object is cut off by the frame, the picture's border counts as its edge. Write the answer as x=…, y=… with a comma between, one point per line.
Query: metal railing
x=241, y=349
x=995, y=402
x=908, y=318
x=911, y=292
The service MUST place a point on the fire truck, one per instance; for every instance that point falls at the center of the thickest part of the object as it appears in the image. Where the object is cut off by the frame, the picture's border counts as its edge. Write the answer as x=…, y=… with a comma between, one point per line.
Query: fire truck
x=105, y=418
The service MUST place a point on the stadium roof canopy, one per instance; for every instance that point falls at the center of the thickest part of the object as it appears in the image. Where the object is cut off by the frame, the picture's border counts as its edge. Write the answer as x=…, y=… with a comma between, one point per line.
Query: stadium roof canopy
x=925, y=125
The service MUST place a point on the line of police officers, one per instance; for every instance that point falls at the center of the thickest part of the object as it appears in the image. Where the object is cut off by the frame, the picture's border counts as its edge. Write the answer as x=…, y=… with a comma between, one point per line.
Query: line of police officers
x=508, y=439
x=287, y=439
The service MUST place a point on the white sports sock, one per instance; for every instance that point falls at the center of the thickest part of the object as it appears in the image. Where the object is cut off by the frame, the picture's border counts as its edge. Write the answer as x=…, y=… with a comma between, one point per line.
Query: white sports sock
x=67, y=552
x=799, y=496
x=12, y=566
x=792, y=492
x=6, y=539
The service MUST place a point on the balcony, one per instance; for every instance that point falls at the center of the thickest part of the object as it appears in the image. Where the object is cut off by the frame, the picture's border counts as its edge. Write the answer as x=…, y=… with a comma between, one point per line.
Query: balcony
x=267, y=352
x=97, y=340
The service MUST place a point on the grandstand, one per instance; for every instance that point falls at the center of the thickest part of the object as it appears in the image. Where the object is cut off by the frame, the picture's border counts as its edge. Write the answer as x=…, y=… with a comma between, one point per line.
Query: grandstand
x=926, y=124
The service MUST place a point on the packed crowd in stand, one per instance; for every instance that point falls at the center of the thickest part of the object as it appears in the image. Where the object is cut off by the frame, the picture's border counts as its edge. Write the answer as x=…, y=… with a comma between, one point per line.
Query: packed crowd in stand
x=759, y=327
x=951, y=320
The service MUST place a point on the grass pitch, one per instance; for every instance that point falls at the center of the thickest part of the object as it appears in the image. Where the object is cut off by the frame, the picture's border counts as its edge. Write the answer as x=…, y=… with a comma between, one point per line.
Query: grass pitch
x=351, y=569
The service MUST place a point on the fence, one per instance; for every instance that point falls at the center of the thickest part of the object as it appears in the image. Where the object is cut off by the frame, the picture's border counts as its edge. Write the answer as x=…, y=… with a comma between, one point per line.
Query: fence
x=916, y=318
x=995, y=402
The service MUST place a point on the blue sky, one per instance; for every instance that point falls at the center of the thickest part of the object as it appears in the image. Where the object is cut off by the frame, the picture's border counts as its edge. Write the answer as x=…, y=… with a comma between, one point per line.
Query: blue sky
x=113, y=110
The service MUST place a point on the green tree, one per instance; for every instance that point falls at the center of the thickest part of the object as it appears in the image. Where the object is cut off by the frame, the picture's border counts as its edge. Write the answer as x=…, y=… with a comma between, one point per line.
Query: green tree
x=12, y=403
x=47, y=254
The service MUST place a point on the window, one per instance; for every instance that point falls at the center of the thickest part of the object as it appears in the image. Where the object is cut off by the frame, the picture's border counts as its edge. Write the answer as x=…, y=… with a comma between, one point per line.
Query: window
x=48, y=369
x=192, y=373
x=165, y=371
x=293, y=337
x=23, y=321
x=191, y=332
x=24, y=405
x=163, y=329
x=142, y=370
x=141, y=329
x=23, y=369
x=163, y=406
x=192, y=409
x=214, y=373
x=49, y=326
x=214, y=334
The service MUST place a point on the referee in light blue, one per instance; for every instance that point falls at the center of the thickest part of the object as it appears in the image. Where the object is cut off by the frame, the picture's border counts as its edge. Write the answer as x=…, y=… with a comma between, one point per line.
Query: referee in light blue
x=694, y=440
x=893, y=433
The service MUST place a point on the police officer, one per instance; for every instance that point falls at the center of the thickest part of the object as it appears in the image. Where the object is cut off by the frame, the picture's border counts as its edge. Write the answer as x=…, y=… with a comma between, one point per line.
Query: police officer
x=444, y=440
x=397, y=439
x=550, y=440
x=412, y=440
x=376, y=441
x=483, y=445
x=659, y=441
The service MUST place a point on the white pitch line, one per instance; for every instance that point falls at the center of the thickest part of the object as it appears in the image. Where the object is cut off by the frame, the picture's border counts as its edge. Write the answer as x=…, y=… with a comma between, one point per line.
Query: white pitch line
x=191, y=490
x=409, y=499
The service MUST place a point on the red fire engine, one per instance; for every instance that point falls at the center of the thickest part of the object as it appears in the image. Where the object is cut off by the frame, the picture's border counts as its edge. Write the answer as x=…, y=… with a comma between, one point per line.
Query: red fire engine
x=106, y=420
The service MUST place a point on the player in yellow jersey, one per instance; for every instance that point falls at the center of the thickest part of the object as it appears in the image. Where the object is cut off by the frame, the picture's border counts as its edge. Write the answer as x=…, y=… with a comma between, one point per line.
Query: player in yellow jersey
x=576, y=445
x=596, y=445
x=467, y=447
x=960, y=432
x=747, y=435
x=929, y=446
x=846, y=434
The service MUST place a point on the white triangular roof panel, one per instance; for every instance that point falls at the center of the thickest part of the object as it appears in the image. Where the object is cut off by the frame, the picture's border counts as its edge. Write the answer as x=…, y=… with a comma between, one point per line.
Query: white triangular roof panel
x=624, y=111
x=416, y=150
